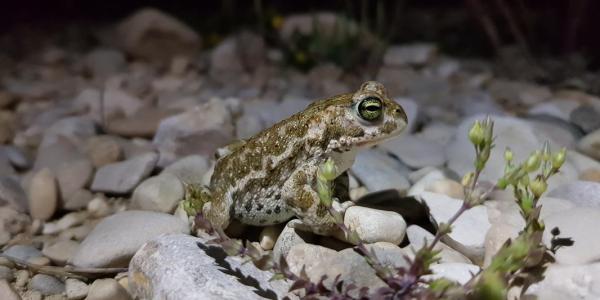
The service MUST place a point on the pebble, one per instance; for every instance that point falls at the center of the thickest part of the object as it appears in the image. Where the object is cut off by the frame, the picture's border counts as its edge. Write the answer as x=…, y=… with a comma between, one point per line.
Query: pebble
x=568, y=282
x=189, y=169
x=377, y=171
x=6, y=273
x=418, y=236
x=470, y=229
x=61, y=251
x=99, y=207
x=416, y=152
x=391, y=255
x=7, y=292
x=458, y=272
x=46, y=284
x=116, y=238
x=180, y=267
x=580, y=193
x=103, y=150
x=142, y=123
x=268, y=236
x=77, y=200
x=201, y=130
x=159, y=193
x=288, y=238
x=586, y=117
x=374, y=225
x=446, y=187
x=74, y=176
x=590, y=175
x=580, y=224
x=590, y=144
x=21, y=278
x=144, y=34
x=102, y=62
x=76, y=289
x=411, y=54
x=12, y=193
x=107, y=289
x=43, y=195
x=123, y=177
x=22, y=252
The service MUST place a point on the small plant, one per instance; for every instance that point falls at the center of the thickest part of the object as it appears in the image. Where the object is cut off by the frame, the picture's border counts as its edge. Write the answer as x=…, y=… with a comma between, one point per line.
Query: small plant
x=519, y=263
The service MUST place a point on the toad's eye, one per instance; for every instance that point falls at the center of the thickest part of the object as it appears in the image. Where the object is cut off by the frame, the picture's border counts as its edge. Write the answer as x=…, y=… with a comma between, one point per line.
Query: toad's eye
x=370, y=108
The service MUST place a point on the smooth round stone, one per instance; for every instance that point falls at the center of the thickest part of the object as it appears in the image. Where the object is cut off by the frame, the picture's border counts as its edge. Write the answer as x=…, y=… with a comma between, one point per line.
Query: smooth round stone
x=391, y=255
x=288, y=238
x=103, y=150
x=447, y=187
x=22, y=252
x=46, y=284
x=12, y=193
x=123, y=177
x=7, y=292
x=580, y=193
x=580, y=224
x=6, y=273
x=590, y=144
x=459, y=272
x=268, y=236
x=76, y=289
x=568, y=282
x=43, y=195
x=419, y=236
x=422, y=181
x=74, y=176
x=374, y=225
x=416, y=152
x=377, y=171
x=189, y=169
x=590, y=175
x=61, y=251
x=116, y=238
x=78, y=199
x=180, y=266
x=469, y=229
x=107, y=289
x=160, y=193
x=99, y=207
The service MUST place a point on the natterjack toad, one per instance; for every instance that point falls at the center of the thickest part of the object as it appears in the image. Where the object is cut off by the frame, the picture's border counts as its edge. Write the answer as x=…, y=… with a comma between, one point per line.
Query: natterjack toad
x=271, y=177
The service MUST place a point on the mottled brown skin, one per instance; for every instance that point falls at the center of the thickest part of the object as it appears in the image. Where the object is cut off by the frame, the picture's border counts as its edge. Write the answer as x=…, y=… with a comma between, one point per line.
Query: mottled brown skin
x=271, y=177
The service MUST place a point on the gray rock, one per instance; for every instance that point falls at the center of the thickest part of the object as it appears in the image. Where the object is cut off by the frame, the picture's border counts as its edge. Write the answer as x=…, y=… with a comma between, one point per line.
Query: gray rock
x=6, y=168
x=288, y=238
x=412, y=54
x=74, y=128
x=16, y=156
x=198, y=131
x=154, y=35
x=116, y=238
x=581, y=225
x=470, y=229
x=556, y=108
x=122, y=177
x=76, y=289
x=189, y=169
x=46, y=284
x=43, y=195
x=247, y=126
x=568, y=282
x=590, y=144
x=416, y=152
x=6, y=273
x=580, y=193
x=11, y=193
x=327, y=24
x=63, y=151
x=74, y=176
x=225, y=60
x=61, y=251
x=391, y=255
x=411, y=108
x=459, y=272
x=374, y=225
x=182, y=267
x=562, y=133
x=159, y=193
x=23, y=252
x=319, y=261
x=7, y=292
x=107, y=289
x=440, y=133
x=419, y=236
x=77, y=200
x=377, y=171
x=103, y=150
x=518, y=93
x=102, y=62
x=586, y=117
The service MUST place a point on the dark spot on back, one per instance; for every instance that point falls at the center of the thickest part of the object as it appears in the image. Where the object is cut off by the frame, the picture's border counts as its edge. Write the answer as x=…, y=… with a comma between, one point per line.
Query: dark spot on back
x=268, y=211
x=259, y=206
x=277, y=209
x=248, y=206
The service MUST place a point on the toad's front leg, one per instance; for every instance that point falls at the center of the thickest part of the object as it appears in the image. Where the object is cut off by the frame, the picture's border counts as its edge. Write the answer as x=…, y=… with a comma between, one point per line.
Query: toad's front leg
x=300, y=193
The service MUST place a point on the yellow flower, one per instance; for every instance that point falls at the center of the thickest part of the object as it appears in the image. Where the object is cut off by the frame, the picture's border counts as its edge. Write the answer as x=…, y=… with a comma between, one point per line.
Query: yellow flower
x=277, y=22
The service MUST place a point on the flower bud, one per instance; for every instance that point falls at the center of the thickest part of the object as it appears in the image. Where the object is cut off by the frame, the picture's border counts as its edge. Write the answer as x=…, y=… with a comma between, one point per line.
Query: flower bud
x=559, y=158
x=538, y=186
x=328, y=170
x=546, y=151
x=533, y=162
x=477, y=134
x=508, y=155
x=467, y=180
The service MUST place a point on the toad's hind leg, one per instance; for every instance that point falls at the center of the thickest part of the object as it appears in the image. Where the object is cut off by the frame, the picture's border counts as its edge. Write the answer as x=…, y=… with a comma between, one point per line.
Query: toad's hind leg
x=299, y=191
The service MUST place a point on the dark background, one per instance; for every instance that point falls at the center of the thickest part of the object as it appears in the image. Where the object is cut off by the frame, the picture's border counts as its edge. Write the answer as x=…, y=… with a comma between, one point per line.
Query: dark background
x=551, y=27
